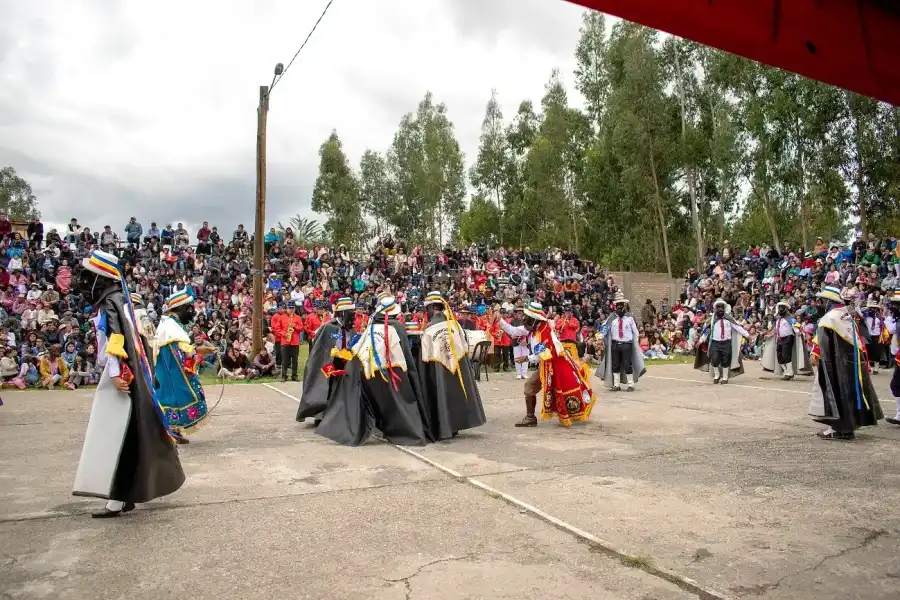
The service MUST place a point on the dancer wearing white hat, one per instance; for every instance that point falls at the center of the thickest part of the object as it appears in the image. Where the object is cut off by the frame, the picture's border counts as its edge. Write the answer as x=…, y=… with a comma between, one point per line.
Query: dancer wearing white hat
x=784, y=352
x=128, y=455
x=843, y=396
x=623, y=361
x=721, y=338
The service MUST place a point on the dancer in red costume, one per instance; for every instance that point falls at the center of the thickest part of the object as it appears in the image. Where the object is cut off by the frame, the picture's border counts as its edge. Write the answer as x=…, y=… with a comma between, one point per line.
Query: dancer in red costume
x=562, y=381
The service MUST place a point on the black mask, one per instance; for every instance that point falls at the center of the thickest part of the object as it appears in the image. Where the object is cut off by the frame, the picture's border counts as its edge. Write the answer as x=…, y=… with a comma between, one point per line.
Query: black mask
x=620, y=310
x=782, y=311
x=346, y=319
x=530, y=322
x=433, y=309
x=720, y=312
x=93, y=286
x=185, y=314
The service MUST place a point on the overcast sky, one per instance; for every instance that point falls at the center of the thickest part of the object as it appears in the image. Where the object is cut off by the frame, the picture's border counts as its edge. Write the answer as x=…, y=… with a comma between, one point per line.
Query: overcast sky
x=113, y=108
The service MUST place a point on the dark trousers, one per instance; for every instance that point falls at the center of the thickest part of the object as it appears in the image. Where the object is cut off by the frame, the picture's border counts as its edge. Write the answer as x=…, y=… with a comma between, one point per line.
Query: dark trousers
x=502, y=354
x=784, y=349
x=289, y=355
x=720, y=354
x=278, y=354
x=878, y=354
x=895, y=382
x=622, y=354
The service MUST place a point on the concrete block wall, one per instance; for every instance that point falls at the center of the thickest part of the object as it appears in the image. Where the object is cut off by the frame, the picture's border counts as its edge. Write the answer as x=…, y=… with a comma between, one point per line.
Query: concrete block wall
x=637, y=287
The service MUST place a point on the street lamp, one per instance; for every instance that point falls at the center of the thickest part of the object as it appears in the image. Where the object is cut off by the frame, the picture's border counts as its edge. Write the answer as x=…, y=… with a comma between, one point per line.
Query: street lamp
x=259, y=260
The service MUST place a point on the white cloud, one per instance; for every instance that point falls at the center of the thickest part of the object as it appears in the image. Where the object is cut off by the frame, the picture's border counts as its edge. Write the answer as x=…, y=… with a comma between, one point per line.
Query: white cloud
x=114, y=108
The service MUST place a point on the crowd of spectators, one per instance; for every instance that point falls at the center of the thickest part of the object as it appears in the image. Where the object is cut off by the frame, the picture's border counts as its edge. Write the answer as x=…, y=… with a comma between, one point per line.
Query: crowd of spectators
x=50, y=342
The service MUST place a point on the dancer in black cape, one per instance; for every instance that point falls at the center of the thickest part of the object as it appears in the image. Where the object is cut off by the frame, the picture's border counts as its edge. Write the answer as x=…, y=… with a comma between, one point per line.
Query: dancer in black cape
x=128, y=455
x=375, y=385
x=843, y=396
x=445, y=372
x=334, y=336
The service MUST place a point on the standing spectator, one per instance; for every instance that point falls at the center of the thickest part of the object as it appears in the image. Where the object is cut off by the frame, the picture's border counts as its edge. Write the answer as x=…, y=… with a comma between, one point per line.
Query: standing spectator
x=648, y=314
x=35, y=234
x=311, y=325
x=5, y=227
x=133, y=231
x=289, y=329
x=153, y=232
x=203, y=233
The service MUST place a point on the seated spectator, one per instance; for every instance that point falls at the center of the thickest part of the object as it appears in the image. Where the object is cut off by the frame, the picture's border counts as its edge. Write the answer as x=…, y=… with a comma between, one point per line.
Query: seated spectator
x=53, y=368
x=81, y=373
x=235, y=365
x=264, y=363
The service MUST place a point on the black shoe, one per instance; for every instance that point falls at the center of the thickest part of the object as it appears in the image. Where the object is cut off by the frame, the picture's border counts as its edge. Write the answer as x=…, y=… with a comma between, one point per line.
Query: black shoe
x=284, y=380
x=295, y=380
x=893, y=421
x=105, y=513
x=316, y=422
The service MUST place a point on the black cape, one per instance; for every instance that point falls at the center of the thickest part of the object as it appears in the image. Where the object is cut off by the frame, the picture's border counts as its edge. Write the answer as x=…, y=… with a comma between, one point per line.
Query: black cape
x=315, y=386
x=149, y=466
x=357, y=406
x=836, y=378
x=449, y=409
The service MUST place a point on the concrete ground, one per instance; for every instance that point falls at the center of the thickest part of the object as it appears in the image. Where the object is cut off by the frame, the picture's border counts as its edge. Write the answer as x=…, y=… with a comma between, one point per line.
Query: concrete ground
x=681, y=489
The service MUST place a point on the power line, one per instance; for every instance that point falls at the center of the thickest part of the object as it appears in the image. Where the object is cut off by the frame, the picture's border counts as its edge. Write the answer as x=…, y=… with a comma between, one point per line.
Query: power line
x=303, y=45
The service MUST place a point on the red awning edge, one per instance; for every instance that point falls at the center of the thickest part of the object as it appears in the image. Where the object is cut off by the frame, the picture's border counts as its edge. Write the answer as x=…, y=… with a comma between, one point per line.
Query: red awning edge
x=853, y=44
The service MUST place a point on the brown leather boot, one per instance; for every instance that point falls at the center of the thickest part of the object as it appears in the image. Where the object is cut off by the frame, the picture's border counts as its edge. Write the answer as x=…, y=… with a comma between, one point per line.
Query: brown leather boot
x=529, y=420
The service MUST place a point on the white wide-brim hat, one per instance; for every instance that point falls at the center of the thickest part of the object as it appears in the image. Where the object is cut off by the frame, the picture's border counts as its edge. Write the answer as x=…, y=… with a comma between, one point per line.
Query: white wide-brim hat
x=102, y=263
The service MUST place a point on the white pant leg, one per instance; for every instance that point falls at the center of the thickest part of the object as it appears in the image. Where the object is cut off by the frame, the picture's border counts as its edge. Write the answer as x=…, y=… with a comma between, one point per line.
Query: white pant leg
x=522, y=369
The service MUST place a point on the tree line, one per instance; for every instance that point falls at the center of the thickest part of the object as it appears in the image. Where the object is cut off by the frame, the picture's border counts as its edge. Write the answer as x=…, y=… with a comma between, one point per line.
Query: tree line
x=678, y=147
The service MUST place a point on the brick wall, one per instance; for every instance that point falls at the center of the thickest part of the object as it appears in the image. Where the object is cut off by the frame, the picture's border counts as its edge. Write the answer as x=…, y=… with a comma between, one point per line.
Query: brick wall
x=637, y=287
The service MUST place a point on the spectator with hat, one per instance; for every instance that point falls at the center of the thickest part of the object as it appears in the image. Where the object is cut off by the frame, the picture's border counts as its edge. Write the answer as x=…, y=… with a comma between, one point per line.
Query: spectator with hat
x=287, y=332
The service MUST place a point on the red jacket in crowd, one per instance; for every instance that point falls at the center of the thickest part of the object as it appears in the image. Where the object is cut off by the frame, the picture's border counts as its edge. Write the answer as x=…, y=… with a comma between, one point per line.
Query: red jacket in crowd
x=281, y=322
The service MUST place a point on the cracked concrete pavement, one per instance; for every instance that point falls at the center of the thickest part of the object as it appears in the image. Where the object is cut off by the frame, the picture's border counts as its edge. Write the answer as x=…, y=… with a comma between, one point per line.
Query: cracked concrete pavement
x=725, y=485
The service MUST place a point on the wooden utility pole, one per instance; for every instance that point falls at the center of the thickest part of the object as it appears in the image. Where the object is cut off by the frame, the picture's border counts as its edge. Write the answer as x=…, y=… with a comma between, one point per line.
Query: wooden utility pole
x=259, y=259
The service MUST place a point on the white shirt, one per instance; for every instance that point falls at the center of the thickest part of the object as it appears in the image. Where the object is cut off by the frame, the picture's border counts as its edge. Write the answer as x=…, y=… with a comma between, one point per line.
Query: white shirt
x=875, y=325
x=722, y=328
x=783, y=328
x=519, y=332
x=629, y=329
x=891, y=324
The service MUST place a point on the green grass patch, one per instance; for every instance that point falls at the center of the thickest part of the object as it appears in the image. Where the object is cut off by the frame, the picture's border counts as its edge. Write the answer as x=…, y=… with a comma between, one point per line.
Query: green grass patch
x=208, y=377
x=679, y=359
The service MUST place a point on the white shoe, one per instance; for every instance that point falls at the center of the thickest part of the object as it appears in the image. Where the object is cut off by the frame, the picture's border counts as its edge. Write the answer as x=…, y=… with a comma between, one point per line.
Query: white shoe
x=629, y=382
x=615, y=385
x=875, y=371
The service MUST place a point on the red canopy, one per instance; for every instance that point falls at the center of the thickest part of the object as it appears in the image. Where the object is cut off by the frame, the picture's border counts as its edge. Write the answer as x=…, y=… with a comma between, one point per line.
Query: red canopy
x=853, y=44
